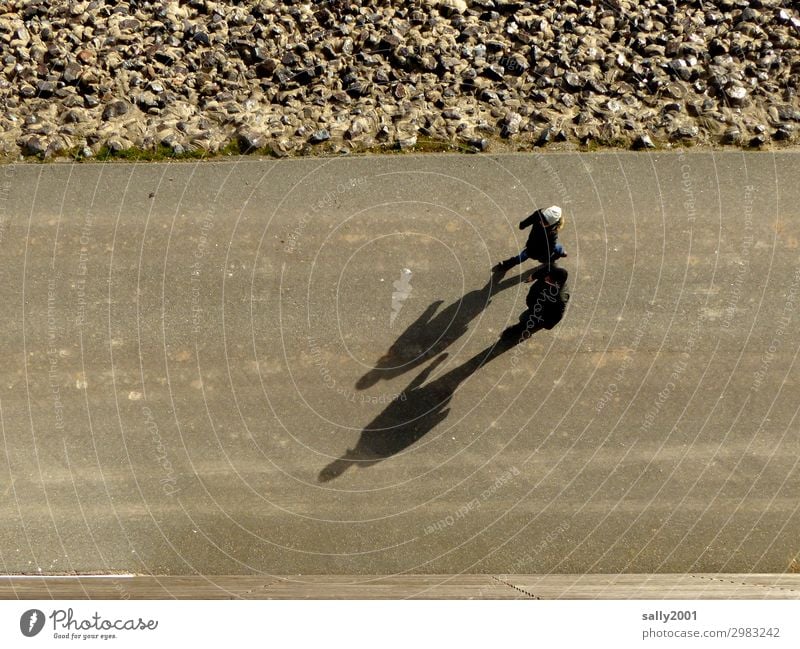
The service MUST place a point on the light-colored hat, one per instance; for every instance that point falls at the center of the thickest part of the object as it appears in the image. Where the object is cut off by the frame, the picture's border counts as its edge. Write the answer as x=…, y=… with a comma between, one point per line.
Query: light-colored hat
x=552, y=215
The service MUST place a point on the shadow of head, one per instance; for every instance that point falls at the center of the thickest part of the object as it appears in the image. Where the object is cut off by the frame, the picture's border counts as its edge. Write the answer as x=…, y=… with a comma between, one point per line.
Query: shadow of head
x=376, y=445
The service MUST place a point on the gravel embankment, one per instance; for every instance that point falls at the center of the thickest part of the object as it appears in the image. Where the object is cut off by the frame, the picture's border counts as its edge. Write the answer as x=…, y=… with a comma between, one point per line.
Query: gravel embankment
x=81, y=78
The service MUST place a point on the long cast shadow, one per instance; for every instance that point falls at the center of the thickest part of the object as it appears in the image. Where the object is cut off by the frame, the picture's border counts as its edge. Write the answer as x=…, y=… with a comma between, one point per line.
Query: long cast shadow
x=430, y=335
x=419, y=409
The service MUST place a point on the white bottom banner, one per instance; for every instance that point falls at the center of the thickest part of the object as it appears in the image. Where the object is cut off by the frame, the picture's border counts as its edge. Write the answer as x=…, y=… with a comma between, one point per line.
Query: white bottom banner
x=400, y=624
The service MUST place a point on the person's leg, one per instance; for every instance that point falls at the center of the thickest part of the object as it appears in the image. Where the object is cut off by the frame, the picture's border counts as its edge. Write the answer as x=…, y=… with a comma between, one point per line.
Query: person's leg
x=515, y=330
x=511, y=262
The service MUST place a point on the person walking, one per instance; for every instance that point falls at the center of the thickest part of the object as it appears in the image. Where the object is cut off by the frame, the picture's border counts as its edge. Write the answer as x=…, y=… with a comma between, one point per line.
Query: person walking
x=546, y=301
x=542, y=242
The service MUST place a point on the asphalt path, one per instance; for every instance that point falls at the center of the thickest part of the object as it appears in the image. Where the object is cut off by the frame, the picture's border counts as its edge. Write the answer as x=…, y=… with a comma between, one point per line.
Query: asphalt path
x=291, y=367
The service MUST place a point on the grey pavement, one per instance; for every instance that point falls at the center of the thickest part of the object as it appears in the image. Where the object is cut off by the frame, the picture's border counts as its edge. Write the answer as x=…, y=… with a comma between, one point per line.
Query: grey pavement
x=407, y=586
x=190, y=380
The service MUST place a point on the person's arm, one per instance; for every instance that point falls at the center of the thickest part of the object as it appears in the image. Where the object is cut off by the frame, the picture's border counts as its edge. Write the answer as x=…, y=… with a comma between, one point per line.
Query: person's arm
x=529, y=221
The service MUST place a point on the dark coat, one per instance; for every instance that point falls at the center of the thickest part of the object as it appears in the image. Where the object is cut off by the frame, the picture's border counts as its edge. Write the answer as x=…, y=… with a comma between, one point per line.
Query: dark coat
x=547, y=299
x=541, y=239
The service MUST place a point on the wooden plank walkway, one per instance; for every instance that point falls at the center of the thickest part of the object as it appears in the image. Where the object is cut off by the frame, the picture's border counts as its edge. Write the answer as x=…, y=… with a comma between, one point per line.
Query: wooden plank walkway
x=692, y=586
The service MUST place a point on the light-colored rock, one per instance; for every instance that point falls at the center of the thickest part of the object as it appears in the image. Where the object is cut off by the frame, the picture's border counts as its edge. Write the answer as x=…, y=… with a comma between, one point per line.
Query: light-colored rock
x=449, y=6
